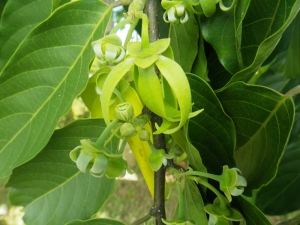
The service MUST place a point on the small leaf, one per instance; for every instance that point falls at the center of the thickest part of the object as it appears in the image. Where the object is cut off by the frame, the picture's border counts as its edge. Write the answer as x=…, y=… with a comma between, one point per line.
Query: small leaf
x=278, y=197
x=184, y=38
x=224, y=32
x=292, y=67
x=52, y=185
x=211, y=132
x=252, y=215
x=43, y=77
x=96, y=222
x=263, y=120
x=193, y=204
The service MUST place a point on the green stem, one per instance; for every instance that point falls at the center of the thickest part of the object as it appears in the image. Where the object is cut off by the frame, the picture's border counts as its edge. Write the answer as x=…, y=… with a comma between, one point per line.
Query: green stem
x=212, y=188
x=119, y=95
x=145, y=35
x=180, y=202
x=203, y=174
x=123, y=145
x=106, y=134
x=130, y=31
x=119, y=26
x=142, y=220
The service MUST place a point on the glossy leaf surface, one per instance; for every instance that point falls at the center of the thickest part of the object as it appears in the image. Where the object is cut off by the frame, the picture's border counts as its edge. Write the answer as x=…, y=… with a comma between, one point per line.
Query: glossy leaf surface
x=184, y=38
x=224, y=32
x=263, y=120
x=51, y=187
x=262, y=29
x=43, y=77
x=280, y=197
x=18, y=19
x=211, y=132
x=251, y=213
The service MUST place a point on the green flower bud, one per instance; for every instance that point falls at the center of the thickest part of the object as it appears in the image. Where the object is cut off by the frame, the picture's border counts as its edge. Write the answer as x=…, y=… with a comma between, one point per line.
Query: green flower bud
x=127, y=130
x=231, y=182
x=220, y=212
x=109, y=50
x=176, y=14
x=144, y=135
x=116, y=167
x=124, y=111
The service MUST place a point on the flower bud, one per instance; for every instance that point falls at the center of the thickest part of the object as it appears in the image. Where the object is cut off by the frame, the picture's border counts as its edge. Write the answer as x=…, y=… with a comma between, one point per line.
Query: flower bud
x=144, y=135
x=116, y=167
x=176, y=14
x=127, y=130
x=109, y=50
x=124, y=111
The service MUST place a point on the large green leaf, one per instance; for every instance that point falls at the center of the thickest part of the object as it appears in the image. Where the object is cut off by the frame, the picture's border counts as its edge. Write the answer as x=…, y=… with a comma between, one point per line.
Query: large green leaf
x=280, y=196
x=18, y=19
x=51, y=187
x=193, y=203
x=96, y=222
x=252, y=215
x=224, y=32
x=212, y=131
x=262, y=29
x=47, y=72
x=184, y=43
x=263, y=120
x=292, y=68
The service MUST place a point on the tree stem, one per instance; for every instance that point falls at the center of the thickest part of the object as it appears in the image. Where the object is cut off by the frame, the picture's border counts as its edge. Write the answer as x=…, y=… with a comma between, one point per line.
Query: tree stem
x=158, y=208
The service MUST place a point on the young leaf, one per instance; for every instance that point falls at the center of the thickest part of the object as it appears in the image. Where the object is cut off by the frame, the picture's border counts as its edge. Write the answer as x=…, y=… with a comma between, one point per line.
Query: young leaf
x=18, y=19
x=51, y=187
x=263, y=120
x=96, y=222
x=193, y=203
x=269, y=26
x=43, y=77
x=252, y=215
x=184, y=38
x=292, y=67
x=278, y=197
x=211, y=132
x=224, y=32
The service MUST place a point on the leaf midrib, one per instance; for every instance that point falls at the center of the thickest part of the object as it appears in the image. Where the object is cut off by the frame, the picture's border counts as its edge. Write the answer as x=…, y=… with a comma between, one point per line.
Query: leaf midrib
x=62, y=81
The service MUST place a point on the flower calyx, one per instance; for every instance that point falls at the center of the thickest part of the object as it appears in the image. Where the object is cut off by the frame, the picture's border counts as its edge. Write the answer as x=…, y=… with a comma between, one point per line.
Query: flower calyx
x=124, y=112
x=232, y=183
x=109, y=50
x=127, y=130
x=220, y=212
x=175, y=12
x=90, y=157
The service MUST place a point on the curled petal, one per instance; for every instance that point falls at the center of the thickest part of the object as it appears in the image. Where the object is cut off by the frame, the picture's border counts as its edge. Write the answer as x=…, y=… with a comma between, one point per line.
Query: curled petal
x=99, y=165
x=110, y=83
x=185, y=18
x=84, y=159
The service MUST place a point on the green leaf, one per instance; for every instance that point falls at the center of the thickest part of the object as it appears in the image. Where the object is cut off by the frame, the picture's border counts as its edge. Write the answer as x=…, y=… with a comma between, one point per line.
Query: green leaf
x=262, y=31
x=278, y=197
x=263, y=120
x=193, y=204
x=96, y=222
x=18, y=19
x=211, y=132
x=224, y=31
x=51, y=187
x=292, y=67
x=252, y=215
x=184, y=38
x=200, y=64
x=43, y=77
